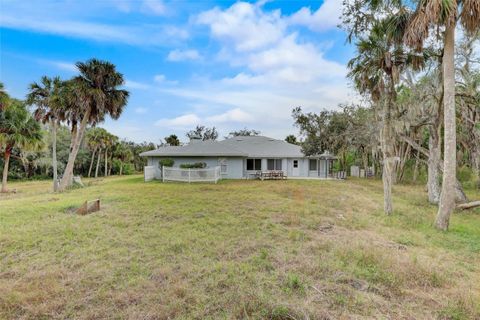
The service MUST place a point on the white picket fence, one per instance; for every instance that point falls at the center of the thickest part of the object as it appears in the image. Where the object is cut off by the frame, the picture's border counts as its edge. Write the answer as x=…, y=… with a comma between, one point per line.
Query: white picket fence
x=152, y=172
x=183, y=175
x=192, y=175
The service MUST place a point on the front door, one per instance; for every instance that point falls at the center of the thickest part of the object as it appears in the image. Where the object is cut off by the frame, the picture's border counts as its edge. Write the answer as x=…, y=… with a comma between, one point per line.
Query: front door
x=295, y=168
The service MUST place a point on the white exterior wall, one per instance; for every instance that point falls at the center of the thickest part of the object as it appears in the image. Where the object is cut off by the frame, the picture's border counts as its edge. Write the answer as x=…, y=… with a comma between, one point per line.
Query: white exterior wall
x=237, y=167
x=302, y=167
x=234, y=165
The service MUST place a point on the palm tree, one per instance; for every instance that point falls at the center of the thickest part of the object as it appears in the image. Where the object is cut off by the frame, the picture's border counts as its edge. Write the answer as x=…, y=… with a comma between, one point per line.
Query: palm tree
x=172, y=140
x=123, y=153
x=18, y=130
x=445, y=13
x=376, y=70
x=94, y=143
x=3, y=97
x=109, y=143
x=95, y=94
x=291, y=139
x=46, y=96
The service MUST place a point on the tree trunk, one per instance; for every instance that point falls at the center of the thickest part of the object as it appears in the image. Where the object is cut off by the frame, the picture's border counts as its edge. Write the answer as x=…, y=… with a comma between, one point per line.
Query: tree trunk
x=388, y=159
x=364, y=160
x=434, y=159
x=91, y=162
x=416, y=167
x=403, y=161
x=475, y=162
x=98, y=163
x=447, y=197
x=8, y=152
x=54, y=155
x=67, y=178
x=121, y=167
x=106, y=163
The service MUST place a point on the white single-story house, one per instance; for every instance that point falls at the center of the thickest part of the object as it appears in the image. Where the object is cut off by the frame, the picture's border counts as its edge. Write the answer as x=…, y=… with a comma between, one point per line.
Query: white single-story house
x=244, y=156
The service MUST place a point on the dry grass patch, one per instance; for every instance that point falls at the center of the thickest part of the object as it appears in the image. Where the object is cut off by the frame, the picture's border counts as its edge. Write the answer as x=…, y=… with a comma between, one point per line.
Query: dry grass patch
x=235, y=250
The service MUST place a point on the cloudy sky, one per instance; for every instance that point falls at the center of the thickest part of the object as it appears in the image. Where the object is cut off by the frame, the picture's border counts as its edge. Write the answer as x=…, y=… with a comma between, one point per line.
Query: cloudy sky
x=218, y=63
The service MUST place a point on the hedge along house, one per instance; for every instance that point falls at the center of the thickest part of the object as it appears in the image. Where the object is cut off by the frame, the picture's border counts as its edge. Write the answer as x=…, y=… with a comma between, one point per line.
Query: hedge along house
x=243, y=156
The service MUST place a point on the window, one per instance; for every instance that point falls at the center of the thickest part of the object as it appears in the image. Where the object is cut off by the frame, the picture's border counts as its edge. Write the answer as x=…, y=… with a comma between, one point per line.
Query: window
x=274, y=164
x=223, y=165
x=313, y=164
x=254, y=164
x=295, y=163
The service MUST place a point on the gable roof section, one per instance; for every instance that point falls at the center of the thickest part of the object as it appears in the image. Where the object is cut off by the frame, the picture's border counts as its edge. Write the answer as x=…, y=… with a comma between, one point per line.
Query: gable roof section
x=197, y=149
x=242, y=146
x=263, y=147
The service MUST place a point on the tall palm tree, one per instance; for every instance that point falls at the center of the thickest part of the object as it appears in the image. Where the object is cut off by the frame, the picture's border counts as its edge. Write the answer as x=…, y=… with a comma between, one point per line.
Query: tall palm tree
x=376, y=70
x=109, y=144
x=3, y=96
x=94, y=143
x=433, y=14
x=47, y=98
x=96, y=95
x=18, y=130
x=123, y=153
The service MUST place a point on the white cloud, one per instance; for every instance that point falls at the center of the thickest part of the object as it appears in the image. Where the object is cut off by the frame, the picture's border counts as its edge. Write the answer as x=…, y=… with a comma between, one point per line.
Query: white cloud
x=156, y=7
x=181, y=55
x=62, y=65
x=184, y=121
x=136, y=85
x=293, y=62
x=244, y=25
x=282, y=58
x=162, y=79
x=159, y=78
x=279, y=70
x=141, y=110
x=66, y=66
x=326, y=17
x=69, y=19
x=233, y=115
x=77, y=29
x=176, y=32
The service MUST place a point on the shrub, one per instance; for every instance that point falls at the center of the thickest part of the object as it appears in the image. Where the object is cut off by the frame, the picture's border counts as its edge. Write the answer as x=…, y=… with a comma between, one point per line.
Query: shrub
x=166, y=162
x=127, y=167
x=196, y=165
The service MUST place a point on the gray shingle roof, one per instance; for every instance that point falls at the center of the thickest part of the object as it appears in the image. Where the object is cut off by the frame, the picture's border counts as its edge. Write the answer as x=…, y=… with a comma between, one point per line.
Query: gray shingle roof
x=196, y=149
x=243, y=146
x=260, y=146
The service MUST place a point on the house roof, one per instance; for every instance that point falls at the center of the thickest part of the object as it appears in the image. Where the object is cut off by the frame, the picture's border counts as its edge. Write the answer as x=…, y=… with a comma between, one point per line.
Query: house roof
x=196, y=149
x=260, y=146
x=241, y=146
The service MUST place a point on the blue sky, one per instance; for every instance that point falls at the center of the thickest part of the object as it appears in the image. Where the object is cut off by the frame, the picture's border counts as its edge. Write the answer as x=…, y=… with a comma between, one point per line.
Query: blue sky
x=218, y=63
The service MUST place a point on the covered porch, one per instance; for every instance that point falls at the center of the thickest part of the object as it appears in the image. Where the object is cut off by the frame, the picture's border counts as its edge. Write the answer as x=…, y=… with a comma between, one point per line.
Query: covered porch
x=320, y=166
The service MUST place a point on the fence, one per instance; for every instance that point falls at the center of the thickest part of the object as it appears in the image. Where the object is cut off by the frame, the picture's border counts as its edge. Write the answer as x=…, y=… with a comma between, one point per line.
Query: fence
x=151, y=172
x=191, y=175
x=356, y=171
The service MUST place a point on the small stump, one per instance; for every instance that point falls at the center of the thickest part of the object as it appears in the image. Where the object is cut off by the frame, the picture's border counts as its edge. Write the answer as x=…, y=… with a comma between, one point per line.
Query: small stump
x=89, y=207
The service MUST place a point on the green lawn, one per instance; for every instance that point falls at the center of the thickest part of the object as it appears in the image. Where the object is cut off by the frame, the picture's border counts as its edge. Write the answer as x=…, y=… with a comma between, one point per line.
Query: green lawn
x=238, y=249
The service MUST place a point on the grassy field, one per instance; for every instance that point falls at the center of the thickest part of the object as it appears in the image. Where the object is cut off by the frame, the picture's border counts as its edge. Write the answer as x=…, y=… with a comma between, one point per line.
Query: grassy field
x=238, y=249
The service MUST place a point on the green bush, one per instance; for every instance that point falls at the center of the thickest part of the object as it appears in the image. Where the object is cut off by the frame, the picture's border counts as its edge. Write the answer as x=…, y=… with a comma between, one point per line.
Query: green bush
x=167, y=162
x=127, y=167
x=464, y=174
x=468, y=179
x=196, y=165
